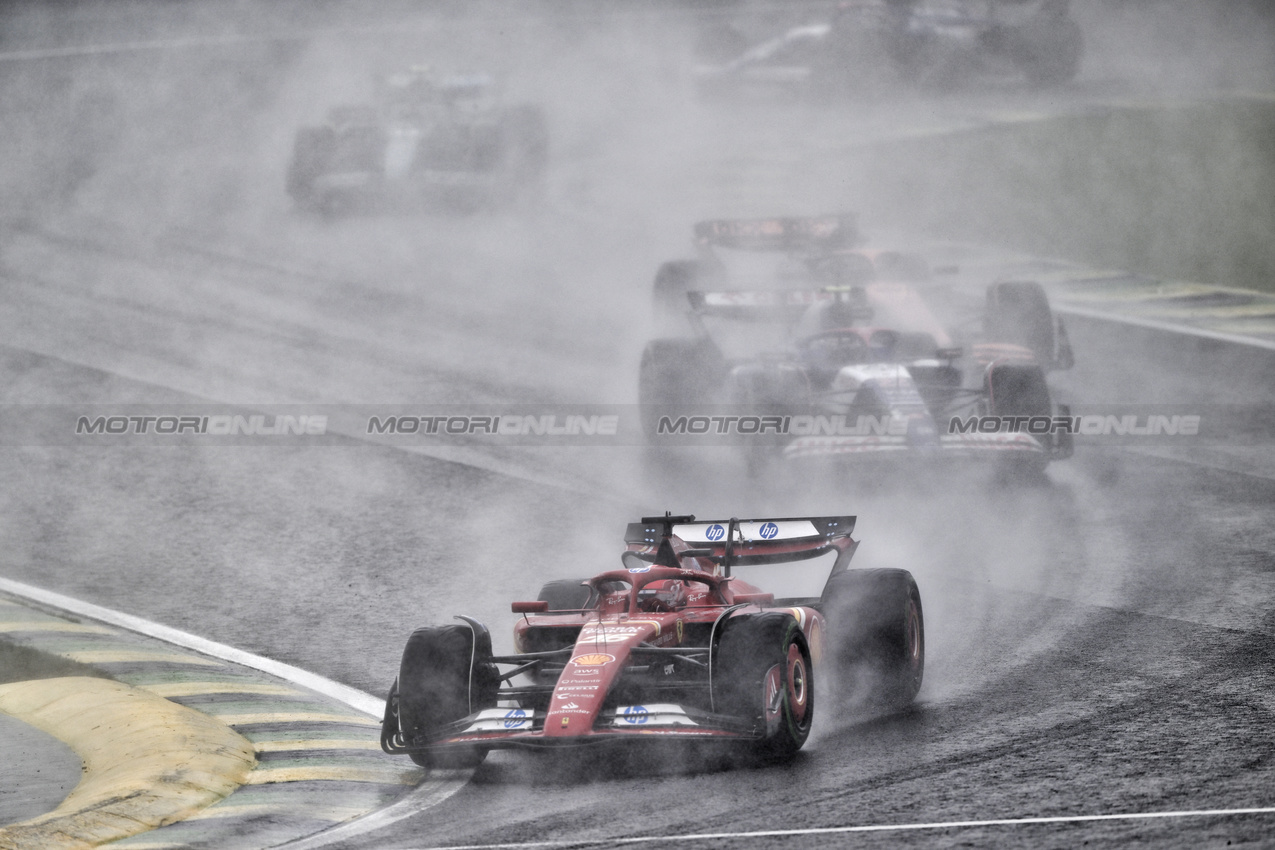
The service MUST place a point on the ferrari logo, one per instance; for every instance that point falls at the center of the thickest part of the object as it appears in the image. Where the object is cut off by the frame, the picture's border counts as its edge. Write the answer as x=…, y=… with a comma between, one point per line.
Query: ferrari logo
x=679, y=631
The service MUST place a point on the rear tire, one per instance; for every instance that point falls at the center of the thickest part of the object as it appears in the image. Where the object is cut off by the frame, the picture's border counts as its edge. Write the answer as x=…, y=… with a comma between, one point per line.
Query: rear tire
x=1017, y=390
x=876, y=633
x=767, y=390
x=1020, y=390
x=444, y=677
x=668, y=294
x=673, y=373
x=1018, y=312
x=762, y=671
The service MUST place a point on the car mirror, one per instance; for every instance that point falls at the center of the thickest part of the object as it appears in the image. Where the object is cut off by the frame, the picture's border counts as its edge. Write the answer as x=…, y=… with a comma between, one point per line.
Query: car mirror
x=632, y=560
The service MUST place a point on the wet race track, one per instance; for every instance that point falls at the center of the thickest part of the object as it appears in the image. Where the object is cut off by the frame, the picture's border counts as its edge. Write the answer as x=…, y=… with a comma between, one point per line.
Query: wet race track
x=1098, y=643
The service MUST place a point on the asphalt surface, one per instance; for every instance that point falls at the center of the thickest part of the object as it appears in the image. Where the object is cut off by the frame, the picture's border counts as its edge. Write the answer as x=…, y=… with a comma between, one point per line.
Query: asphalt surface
x=41, y=771
x=1098, y=643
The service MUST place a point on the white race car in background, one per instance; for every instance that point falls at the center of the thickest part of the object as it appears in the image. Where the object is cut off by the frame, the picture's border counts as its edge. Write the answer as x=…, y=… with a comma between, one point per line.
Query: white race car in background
x=428, y=139
x=932, y=43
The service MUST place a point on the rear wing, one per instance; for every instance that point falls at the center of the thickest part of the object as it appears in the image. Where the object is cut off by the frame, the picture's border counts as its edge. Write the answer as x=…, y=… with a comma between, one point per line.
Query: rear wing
x=820, y=233
x=745, y=542
x=779, y=304
x=766, y=540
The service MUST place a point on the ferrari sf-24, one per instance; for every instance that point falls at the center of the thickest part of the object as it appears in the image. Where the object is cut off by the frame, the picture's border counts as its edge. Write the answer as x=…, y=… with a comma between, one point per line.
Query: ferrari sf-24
x=672, y=645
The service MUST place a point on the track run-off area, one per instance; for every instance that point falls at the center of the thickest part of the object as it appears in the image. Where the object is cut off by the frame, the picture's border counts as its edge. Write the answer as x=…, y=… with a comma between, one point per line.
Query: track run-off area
x=1099, y=644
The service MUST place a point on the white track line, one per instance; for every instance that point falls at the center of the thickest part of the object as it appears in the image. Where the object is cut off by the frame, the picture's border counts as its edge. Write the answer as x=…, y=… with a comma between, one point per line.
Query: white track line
x=843, y=830
x=435, y=789
x=188, y=43
x=1169, y=327
x=131, y=47
x=358, y=700
x=440, y=786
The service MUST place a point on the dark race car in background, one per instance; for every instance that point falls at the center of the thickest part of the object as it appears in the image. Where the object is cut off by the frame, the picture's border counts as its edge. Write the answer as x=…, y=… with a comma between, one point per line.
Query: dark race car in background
x=868, y=43
x=428, y=140
x=673, y=645
x=822, y=350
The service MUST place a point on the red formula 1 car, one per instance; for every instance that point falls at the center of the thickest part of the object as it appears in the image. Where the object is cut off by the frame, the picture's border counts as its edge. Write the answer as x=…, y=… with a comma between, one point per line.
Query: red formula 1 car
x=672, y=645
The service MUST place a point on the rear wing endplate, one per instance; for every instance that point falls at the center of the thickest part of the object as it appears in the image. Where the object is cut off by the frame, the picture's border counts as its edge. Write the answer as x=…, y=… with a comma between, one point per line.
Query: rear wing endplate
x=822, y=233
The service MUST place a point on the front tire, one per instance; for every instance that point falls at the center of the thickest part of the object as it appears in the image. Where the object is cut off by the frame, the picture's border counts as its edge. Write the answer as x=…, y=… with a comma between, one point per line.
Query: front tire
x=445, y=676
x=763, y=671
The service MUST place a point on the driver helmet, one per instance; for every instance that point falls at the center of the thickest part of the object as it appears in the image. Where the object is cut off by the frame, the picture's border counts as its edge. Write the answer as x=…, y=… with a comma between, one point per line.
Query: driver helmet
x=663, y=595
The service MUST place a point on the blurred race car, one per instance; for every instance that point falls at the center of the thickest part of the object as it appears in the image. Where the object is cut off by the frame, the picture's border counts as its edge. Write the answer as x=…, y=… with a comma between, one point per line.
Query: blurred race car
x=865, y=43
x=673, y=645
x=820, y=349
x=429, y=139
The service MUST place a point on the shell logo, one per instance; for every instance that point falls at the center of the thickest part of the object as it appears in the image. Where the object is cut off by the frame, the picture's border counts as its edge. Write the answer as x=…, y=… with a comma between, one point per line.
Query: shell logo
x=595, y=660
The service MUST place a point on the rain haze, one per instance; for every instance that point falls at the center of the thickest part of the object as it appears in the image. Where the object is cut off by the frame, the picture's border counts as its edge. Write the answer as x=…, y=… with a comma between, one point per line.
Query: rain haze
x=1098, y=631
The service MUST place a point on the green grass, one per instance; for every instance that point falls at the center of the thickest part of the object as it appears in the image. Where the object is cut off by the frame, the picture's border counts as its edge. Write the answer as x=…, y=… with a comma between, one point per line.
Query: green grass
x=1185, y=192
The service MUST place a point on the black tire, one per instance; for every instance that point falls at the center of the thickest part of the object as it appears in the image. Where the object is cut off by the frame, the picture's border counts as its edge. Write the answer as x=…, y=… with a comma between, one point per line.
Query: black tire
x=668, y=293
x=762, y=671
x=768, y=389
x=1017, y=390
x=312, y=152
x=444, y=677
x=675, y=373
x=1020, y=390
x=1017, y=312
x=876, y=636
x=565, y=595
